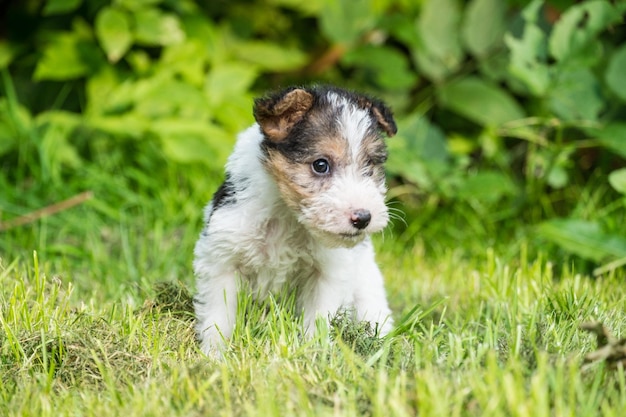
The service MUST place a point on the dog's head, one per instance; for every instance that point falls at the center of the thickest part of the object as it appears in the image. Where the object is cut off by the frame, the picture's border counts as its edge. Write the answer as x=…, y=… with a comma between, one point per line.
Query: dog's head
x=323, y=146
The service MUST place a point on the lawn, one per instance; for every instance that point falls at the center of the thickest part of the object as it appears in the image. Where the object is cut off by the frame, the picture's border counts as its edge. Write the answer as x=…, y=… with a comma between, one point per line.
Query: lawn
x=98, y=322
x=507, y=183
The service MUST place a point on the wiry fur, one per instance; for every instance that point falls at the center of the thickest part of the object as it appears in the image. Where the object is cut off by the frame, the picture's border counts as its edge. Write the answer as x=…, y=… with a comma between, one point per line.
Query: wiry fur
x=275, y=221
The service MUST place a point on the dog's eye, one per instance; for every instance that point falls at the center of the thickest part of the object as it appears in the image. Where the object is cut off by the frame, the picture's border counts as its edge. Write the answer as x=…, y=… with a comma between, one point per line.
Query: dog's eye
x=321, y=166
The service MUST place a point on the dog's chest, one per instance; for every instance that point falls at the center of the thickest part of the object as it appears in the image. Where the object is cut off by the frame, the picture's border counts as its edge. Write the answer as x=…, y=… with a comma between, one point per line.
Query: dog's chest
x=279, y=252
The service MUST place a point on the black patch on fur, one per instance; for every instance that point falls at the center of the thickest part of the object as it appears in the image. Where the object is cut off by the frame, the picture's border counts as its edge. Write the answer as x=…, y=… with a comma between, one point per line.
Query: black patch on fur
x=224, y=195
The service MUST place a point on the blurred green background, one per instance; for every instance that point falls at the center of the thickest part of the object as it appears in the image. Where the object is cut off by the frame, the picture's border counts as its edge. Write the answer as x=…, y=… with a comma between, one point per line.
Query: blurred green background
x=511, y=114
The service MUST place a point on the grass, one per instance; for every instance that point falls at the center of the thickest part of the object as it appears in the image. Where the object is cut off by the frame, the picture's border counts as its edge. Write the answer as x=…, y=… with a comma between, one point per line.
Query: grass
x=474, y=338
x=97, y=320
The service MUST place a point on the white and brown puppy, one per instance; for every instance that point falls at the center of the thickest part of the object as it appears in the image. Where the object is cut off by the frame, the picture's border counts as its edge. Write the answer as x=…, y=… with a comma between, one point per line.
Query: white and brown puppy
x=304, y=188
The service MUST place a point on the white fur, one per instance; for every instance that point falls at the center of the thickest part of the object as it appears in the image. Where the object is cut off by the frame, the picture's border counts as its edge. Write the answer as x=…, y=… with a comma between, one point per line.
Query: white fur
x=354, y=122
x=261, y=241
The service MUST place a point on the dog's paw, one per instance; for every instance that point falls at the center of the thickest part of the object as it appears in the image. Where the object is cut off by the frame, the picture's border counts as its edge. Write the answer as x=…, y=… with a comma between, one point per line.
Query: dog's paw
x=212, y=342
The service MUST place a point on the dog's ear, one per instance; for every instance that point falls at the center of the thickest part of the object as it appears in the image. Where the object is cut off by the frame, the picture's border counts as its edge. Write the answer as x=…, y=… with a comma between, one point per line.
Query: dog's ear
x=382, y=114
x=279, y=113
x=384, y=117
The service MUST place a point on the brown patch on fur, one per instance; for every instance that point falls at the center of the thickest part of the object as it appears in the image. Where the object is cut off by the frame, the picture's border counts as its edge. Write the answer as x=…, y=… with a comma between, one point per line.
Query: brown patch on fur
x=295, y=181
x=277, y=115
x=333, y=147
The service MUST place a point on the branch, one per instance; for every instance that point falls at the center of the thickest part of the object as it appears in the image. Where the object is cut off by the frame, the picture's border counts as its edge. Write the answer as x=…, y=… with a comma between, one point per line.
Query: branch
x=46, y=211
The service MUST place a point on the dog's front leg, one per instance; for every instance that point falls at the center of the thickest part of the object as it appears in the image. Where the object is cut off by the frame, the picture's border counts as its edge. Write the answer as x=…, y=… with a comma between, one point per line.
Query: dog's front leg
x=325, y=293
x=370, y=299
x=325, y=299
x=216, y=308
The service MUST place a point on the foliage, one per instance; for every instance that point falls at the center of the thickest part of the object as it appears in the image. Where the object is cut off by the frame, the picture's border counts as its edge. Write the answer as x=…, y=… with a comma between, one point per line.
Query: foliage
x=502, y=119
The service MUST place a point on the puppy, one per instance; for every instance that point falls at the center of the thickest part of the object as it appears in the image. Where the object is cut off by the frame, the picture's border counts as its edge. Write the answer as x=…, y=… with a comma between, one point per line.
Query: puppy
x=304, y=189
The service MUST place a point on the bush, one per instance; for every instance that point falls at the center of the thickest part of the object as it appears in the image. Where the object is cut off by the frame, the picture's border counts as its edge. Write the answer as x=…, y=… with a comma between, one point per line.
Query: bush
x=506, y=109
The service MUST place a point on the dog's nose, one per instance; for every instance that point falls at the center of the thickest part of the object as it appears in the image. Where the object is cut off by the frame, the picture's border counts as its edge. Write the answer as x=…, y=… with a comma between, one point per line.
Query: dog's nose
x=360, y=218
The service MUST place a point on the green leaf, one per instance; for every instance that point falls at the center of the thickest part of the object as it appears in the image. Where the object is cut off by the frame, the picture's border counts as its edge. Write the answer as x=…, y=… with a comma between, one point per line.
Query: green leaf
x=583, y=238
x=56, y=148
x=228, y=80
x=9, y=132
x=270, y=56
x=63, y=118
x=528, y=59
x=578, y=27
x=53, y=7
x=140, y=62
x=616, y=73
x=189, y=59
x=137, y=4
x=156, y=28
x=306, y=7
x=113, y=30
x=423, y=139
x=7, y=53
x=439, y=51
x=388, y=66
x=189, y=141
x=16, y=117
x=532, y=11
x=216, y=40
x=486, y=186
x=234, y=114
x=419, y=152
x=557, y=177
x=68, y=56
x=56, y=151
x=344, y=21
x=127, y=125
x=402, y=26
x=482, y=35
x=528, y=62
x=617, y=179
x=99, y=88
x=163, y=96
x=613, y=136
x=8, y=139
x=575, y=95
x=480, y=101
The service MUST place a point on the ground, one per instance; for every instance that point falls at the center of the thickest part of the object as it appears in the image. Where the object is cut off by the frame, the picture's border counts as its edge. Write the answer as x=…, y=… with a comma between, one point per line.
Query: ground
x=475, y=337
